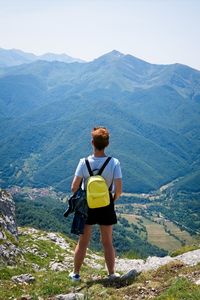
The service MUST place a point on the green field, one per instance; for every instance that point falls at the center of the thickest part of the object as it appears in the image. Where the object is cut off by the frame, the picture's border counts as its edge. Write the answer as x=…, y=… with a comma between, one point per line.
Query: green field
x=160, y=232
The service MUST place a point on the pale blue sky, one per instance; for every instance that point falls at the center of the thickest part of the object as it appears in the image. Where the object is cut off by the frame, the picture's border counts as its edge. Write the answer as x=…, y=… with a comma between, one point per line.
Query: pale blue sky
x=158, y=31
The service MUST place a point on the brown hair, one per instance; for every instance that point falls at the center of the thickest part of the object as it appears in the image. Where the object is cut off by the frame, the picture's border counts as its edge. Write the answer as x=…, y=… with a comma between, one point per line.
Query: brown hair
x=100, y=137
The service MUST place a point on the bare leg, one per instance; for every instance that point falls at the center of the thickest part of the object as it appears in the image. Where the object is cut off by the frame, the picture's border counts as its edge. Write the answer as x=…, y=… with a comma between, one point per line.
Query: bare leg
x=81, y=248
x=109, y=251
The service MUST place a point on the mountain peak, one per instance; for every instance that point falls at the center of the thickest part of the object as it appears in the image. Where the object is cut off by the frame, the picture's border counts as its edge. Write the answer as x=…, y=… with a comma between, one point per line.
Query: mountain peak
x=110, y=56
x=115, y=53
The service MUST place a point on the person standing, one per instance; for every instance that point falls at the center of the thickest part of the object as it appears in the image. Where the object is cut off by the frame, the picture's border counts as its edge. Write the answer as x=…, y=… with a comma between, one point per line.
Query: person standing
x=105, y=217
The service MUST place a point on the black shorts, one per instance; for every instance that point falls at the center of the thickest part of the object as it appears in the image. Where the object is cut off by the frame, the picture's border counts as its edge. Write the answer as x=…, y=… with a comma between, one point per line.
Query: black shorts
x=103, y=215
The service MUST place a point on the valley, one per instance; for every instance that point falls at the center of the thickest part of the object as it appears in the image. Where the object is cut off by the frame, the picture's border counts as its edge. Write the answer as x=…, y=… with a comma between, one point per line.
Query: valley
x=157, y=222
x=47, y=110
x=161, y=232
x=143, y=219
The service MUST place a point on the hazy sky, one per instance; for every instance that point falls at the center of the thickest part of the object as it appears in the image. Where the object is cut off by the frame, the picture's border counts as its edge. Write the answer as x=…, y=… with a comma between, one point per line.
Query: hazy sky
x=158, y=31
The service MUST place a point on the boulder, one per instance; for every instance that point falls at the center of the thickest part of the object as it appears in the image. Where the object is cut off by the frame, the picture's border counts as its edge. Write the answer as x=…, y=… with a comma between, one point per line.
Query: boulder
x=28, y=278
x=8, y=230
x=70, y=296
x=7, y=215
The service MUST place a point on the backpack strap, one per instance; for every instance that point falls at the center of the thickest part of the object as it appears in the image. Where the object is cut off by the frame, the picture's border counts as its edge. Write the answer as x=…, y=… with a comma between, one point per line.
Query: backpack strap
x=101, y=169
x=104, y=165
x=88, y=167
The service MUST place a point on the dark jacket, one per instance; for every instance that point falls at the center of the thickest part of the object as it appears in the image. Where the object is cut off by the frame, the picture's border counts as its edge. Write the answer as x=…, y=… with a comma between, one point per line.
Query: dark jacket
x=78, y=205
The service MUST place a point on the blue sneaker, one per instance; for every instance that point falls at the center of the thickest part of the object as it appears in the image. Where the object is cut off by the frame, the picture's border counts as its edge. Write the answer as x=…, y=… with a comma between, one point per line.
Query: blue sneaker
x=74, y=277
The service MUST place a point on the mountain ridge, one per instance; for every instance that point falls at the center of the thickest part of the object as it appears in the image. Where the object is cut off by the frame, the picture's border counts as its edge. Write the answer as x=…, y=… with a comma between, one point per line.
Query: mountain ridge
x=129, y=68
x=151, y=110
x=14, y=57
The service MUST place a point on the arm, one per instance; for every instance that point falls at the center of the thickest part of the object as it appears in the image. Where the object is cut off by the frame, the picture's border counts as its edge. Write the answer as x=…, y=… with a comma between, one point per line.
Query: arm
x=77, y=177
x=118, y=188
x=75, y=183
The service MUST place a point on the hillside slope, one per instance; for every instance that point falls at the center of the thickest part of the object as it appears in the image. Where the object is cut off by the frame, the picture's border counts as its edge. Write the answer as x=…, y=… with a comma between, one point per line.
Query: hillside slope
x=44, y=208
x=48, y=109
x=42, y=273
x=41, y=262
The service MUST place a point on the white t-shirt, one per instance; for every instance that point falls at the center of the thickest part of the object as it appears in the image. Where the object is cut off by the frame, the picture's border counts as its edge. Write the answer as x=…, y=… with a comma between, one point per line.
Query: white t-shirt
x=112, y=170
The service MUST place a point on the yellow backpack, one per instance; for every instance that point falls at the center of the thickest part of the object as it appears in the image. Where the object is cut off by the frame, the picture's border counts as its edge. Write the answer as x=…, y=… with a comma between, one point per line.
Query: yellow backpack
x=97, y=192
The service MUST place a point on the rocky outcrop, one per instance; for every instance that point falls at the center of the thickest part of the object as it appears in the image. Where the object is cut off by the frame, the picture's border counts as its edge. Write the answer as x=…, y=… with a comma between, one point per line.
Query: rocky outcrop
x=7, y=214
x=28, y=278
x=8, y=230
x=190, y=258
x=57, y=240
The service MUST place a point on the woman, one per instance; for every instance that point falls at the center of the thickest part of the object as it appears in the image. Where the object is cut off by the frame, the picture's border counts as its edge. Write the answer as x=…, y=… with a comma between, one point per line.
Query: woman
x=104, y=216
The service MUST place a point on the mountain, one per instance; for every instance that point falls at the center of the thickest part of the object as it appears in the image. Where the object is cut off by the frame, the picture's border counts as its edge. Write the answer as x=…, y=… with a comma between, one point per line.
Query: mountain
x=58, y=57
x=48, y=109
x=14, y=57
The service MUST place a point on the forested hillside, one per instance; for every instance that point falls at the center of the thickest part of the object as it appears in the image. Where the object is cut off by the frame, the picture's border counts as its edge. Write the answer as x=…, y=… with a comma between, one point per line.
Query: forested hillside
x=44, y=208
x=47, y=110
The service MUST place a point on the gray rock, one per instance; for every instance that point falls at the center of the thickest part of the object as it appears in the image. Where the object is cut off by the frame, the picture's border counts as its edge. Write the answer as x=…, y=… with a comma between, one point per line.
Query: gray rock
x=9, y=252
x=153, y=263
x=8, y=234
x=35, y=267
x=197, y=282
x=7, y=214
x=190, y=258
x=131, y=275
x=93, y=264
x=2, y=236
x=125, y=265
x=28, y=278
x=70, y=296
x=58, y=240
x=57, y=266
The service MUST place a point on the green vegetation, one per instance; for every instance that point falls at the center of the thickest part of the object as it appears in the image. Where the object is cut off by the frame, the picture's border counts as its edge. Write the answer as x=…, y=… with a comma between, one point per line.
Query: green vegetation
x=147, y=227
x=8, y=235
x=43, y=213
x=172, y=281
x=46, y=212
x=184, y=250
x=181, y=208
x=176, y=210
x=181, y=289
x=149, y=110
x=169, y=215
x=47, y=112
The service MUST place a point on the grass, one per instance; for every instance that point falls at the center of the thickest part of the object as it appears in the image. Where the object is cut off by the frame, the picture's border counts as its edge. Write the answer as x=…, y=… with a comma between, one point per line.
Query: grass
x=170, y=282
x=48, y=248
x=184, y=250
x=157, y=234
x=7, y=272
x=181, y=289
x=46, y=284
x=181, y=234
x=9, y=237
